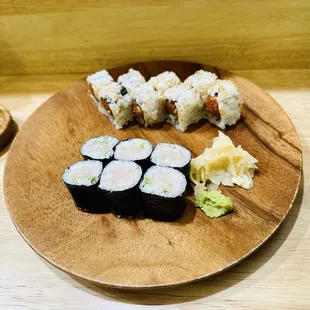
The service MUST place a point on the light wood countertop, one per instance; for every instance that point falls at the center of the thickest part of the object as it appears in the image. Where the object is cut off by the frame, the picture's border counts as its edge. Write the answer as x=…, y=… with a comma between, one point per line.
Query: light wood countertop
x=277, y=276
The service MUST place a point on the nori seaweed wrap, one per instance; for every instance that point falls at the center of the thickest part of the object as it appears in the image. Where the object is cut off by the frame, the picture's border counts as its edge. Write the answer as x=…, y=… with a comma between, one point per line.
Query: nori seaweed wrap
x=163, y=193
x=173, y=156
x=134, y=149
x=119, y=184
x=99, y=148
x=82, y=179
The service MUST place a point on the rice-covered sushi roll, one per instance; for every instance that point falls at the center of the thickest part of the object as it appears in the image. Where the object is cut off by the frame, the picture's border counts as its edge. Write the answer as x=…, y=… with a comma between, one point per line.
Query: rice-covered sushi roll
x=223, y=104
x=82, y=179
x=163, y=193
x=184, y=106
x=200, y=80
x=148, y=105
x=99, y=148
x=165, y=80
x=173, y=156
x=136, y=149
x=115, y=102
x=131, y=80
x=119, y=184
x=96, y=81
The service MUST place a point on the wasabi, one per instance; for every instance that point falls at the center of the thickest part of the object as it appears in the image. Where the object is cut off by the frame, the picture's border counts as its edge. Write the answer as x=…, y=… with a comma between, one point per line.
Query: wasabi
x=214, y=203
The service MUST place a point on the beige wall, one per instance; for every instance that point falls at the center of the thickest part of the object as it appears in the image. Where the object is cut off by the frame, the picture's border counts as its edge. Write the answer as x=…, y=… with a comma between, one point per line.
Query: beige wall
x=49, y=36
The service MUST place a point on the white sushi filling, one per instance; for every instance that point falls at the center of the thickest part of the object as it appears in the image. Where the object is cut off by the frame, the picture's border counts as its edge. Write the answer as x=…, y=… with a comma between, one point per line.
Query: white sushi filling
x=120, y=105
x=133, y=149
x=171, y=155
x=200, y=80
x=120, y=175
x=83, y=173
x=229, y=103
x=188, y=104
x=99, y=147
x=99, y=80
x=164, y=81
x=163, y=181
x=131, y=80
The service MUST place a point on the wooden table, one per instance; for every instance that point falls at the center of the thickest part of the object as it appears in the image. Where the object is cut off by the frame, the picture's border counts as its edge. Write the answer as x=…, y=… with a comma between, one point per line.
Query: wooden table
x=277, y=276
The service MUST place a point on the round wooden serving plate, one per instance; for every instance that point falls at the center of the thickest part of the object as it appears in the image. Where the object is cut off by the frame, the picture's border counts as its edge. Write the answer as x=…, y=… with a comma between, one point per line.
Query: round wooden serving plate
x=143, y=253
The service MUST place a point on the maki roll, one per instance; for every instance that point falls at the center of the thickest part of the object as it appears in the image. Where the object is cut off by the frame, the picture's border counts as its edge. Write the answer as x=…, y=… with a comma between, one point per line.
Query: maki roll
x=184, y=107
x=96, y=81
x=148, y=105
x=136, y=149
x=172, y=155
x=163, y=193
x=131, y=80
x=99, y=148
x=82, y=179
x=165, y=80
x=200, y=81
x=119, y=184
x=115, y=102
x=223, y=104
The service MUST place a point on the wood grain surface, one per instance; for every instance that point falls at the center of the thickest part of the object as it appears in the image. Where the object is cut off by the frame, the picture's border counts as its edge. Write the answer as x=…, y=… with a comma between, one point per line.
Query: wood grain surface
x=76, y=36
x=143, y=253
x=277, y=276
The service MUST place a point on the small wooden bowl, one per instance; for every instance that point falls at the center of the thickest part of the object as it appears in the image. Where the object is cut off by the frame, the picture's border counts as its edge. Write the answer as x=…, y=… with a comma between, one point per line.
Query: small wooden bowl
x=7, y=127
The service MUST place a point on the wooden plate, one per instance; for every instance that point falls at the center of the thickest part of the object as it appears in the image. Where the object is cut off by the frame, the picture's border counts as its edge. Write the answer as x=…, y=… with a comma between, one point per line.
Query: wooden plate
x=143, y=253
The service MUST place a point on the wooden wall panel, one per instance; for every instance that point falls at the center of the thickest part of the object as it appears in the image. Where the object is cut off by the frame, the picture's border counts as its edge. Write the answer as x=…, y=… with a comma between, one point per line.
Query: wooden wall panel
x=39, y=37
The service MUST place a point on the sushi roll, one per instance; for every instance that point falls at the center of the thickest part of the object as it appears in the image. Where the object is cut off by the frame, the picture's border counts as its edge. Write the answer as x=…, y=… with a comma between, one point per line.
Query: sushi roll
x=165, y=80
x=223, y=104
x=184, y=107
x=115, y=102
x=119, y=184
x=99, y=148
x=200, y=81
x=96, y=81
x=131, y=80
x=82, y=179
x=136, y=149
x=173, y=156
x=148, y=105
x=163, y=193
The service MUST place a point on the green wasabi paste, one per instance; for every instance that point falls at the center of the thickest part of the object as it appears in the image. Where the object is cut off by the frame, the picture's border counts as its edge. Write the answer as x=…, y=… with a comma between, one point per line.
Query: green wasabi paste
x=214, y=204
